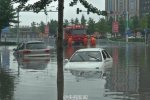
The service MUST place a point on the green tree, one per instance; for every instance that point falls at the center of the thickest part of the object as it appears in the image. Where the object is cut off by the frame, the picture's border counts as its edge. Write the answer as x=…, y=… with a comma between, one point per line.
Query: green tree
x=53, y=26
x=148, y=21
x=72, y=21
x=7, y=14
x=91, y=26
x=121, y=26
x=33, y=26
x=135, y=23
x=66, y=22
x=42, y=27
x=76, y=21
x=110, y=21
x=83, y=20
x=102, y=26
x=143, y=22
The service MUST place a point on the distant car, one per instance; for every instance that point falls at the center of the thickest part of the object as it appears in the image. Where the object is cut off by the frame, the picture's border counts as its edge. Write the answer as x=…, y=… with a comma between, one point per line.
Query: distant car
x=32, y=50
x=89, y=59
x=131, y=37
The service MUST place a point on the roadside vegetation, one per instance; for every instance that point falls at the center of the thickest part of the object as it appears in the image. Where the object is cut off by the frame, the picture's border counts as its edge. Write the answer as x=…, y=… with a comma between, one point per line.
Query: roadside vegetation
x=102, y=27
x=8, y=14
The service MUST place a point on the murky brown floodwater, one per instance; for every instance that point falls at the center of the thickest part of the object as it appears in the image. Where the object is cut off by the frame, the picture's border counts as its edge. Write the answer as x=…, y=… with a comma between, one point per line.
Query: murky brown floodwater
x=128, y=79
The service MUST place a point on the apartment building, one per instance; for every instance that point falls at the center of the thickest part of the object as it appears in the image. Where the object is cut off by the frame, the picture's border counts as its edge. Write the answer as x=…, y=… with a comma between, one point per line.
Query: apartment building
x=121, y=7
x=144, y=7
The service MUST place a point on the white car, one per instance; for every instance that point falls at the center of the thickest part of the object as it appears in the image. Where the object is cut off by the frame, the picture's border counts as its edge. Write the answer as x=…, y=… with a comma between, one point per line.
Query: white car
x=89, y=59
x=32, y=50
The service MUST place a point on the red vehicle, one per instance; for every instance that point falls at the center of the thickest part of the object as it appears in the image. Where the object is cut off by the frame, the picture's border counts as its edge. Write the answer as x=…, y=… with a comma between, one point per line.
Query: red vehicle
x=77, y=33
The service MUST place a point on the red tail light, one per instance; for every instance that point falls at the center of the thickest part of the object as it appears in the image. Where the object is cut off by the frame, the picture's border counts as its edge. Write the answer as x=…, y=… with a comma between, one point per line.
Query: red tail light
x=26, y=51
x=47, y=51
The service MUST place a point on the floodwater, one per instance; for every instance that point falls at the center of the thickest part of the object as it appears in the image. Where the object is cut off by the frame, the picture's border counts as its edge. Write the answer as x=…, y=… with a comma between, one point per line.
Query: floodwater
x=127, y=79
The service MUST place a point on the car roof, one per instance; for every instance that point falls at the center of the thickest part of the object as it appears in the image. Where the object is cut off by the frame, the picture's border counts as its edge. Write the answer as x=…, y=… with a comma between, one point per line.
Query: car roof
x=90, y=49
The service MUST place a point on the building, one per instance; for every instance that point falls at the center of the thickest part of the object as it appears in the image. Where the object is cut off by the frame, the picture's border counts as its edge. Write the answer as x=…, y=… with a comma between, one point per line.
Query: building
x=118, y=8
x=144, y=7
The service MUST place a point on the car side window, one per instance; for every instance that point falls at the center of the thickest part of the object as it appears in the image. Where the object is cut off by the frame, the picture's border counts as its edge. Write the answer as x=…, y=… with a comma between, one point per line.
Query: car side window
x=107, y=55
x=20, y=46
x=104, y=55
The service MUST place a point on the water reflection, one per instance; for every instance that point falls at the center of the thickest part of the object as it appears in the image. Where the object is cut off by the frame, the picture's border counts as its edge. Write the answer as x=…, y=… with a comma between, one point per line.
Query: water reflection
x=30, y=63
x=35, y=63
x=128, y=79
x=5, y=58
x=130, y=75
x=89, y=74
x=7, y=85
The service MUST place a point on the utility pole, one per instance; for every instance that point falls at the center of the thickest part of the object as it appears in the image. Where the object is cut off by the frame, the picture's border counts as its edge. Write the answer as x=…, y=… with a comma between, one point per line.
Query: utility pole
x=115, y=15
x=18, y=26
x=127, y=19
x=145, y=31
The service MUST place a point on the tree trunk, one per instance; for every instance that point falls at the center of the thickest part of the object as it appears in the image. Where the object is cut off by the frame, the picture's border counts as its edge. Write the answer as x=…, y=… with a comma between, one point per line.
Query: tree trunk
x=60, y=74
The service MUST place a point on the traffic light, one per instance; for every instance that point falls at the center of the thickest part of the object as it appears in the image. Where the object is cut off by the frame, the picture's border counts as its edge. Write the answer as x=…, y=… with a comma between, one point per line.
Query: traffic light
x=78, y=10
x=104, y=13
x=88, y=11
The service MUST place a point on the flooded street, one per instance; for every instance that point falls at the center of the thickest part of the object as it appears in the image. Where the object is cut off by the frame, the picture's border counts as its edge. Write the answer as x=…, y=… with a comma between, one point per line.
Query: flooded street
x=127, y=79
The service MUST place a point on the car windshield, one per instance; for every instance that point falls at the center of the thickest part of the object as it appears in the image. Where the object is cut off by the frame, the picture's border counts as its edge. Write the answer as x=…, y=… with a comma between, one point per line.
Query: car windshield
x=40, y=45
x=86, y=56
x=78, y=31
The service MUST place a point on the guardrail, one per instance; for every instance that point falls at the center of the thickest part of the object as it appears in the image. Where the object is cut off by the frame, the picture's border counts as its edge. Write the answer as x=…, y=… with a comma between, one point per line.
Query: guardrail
x=48, y=41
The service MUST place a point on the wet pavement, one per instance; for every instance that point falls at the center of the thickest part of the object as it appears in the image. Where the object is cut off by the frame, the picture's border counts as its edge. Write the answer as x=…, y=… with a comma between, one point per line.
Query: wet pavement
x=127, y=79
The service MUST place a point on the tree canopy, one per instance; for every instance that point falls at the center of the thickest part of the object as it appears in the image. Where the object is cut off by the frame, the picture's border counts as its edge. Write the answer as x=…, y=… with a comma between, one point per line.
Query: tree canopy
x=41, y=5
x=8, y=14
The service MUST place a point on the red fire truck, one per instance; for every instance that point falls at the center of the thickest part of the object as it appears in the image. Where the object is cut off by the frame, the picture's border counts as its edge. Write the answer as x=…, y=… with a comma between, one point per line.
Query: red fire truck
x=77, y=33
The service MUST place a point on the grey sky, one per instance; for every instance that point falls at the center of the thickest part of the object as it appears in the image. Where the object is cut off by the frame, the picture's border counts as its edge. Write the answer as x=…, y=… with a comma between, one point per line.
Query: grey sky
x=69, y=12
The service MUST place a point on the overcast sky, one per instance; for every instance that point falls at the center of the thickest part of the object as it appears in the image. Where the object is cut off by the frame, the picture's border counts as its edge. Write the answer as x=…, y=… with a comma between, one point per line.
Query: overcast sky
x=26, y=18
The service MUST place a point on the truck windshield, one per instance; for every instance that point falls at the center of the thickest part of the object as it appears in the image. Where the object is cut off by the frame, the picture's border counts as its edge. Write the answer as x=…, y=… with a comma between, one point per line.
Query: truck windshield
x=78, y=31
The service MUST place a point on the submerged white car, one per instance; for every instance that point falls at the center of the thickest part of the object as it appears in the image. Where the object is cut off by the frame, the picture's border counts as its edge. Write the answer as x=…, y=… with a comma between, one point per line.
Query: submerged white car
x=90, y=59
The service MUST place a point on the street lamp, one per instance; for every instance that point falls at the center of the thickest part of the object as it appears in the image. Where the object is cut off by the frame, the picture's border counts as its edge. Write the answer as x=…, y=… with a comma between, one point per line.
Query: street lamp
x=127, y=19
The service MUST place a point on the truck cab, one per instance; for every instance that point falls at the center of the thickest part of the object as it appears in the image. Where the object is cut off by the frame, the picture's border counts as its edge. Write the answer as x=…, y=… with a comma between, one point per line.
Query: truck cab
x=76, y=32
